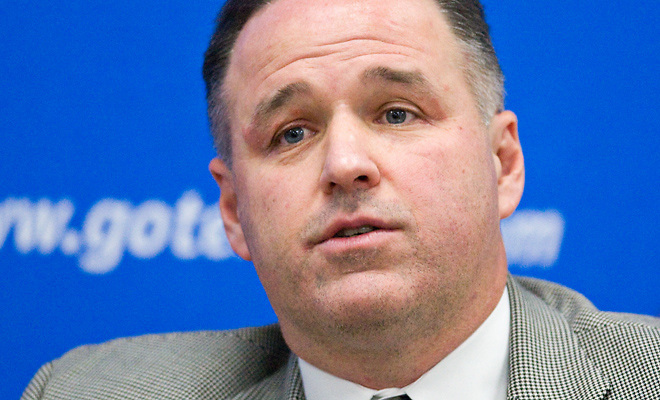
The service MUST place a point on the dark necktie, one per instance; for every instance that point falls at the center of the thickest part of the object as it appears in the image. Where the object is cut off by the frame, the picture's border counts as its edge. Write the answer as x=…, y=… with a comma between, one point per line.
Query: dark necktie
x=402, y=397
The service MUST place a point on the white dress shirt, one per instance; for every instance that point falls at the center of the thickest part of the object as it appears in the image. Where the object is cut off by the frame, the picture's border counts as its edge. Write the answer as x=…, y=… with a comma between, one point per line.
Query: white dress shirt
x=477, y=369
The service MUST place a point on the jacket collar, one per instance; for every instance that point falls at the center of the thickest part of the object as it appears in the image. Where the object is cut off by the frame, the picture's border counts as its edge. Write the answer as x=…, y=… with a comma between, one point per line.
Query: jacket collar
x=546, y=359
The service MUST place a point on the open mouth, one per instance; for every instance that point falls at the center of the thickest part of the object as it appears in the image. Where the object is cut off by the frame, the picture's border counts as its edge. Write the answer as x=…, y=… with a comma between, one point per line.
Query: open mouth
x=350, y=232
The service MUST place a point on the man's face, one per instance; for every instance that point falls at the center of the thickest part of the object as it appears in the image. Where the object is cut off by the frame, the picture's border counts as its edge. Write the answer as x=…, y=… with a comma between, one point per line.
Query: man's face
x=364, y=186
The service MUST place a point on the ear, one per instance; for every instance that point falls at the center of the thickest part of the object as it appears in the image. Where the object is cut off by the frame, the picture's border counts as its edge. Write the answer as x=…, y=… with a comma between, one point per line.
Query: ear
x=509, y=163
x=229, y=207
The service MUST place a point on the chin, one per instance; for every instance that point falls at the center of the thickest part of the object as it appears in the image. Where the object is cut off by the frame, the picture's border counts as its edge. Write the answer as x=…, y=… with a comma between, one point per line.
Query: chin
x=368, y=298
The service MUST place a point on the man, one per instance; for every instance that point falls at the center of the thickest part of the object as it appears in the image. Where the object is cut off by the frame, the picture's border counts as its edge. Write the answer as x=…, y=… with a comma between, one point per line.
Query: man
x=366, y=161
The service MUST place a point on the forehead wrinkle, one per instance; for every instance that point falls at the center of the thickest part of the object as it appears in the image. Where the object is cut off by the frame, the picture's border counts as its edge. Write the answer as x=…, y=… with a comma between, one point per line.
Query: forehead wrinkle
x=343, y=48
x=411, y=78
x=394, y=75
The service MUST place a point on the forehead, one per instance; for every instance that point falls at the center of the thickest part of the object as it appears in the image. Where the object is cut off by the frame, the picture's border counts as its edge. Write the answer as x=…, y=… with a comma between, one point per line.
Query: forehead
x=336, y=19
x=288, y=34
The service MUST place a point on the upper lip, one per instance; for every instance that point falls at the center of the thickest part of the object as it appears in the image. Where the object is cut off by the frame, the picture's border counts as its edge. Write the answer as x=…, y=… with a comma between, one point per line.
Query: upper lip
x=337, y=224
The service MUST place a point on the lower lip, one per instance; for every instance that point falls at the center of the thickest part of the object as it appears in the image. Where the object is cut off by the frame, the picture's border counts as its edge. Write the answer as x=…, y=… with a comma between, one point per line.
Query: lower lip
x=366, y=241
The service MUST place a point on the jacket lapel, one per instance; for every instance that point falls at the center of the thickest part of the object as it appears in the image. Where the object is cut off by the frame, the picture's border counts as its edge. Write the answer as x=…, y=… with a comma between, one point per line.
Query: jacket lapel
x=285, y=384
x=293, y=388
x=546, y=360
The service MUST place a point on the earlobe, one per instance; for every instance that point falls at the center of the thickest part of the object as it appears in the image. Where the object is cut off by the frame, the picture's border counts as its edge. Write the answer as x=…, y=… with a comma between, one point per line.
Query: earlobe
x=229, y=207
x=509, y=162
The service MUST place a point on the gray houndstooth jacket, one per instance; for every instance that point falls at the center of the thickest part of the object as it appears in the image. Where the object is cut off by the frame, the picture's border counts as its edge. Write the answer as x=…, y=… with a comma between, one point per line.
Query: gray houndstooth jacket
x=561, y=348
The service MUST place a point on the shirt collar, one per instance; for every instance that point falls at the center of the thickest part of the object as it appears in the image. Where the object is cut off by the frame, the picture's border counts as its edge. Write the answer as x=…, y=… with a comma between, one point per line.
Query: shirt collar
x=477, y=369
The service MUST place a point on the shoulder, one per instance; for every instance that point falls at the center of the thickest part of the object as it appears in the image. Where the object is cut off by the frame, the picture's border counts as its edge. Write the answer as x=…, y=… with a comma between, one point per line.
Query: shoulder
x=579, y=311
x=181, y=347
x=175, y=365
x=624, y=347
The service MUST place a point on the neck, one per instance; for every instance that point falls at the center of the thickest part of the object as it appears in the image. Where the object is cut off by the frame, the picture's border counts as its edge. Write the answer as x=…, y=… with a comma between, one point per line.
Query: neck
x=398, y=355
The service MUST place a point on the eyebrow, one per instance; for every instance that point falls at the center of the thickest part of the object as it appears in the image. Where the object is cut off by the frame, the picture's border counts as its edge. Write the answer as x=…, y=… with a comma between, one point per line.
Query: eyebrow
x=270, y=105
x=286, y=94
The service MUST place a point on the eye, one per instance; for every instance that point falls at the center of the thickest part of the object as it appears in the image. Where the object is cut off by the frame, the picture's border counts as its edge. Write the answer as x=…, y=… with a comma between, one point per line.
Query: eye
x=291, y=136
x=294, y=135
x=397, y=116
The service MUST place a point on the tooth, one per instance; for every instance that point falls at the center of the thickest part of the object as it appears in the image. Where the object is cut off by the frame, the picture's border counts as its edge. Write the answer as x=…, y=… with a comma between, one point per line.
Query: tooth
x=348, y=232
x=366, y=229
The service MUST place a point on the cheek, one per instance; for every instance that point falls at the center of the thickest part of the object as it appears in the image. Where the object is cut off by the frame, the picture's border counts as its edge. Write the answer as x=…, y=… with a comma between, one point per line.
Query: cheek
x=271, y=213
x=268, y=194
x=451, y=184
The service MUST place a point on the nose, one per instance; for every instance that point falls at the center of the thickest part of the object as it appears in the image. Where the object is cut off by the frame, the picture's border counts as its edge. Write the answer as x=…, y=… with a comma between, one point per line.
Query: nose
x=349, y=164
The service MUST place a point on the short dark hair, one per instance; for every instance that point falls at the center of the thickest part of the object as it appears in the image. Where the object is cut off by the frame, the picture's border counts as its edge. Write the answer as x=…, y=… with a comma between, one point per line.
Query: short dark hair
x=465, y=17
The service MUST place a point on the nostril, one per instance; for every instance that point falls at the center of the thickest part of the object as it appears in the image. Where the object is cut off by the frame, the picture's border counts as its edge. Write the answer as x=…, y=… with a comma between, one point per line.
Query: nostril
x=362, y=178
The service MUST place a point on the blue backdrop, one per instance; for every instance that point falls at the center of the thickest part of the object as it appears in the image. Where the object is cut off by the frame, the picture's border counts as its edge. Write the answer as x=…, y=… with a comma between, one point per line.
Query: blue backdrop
x=107, y=219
